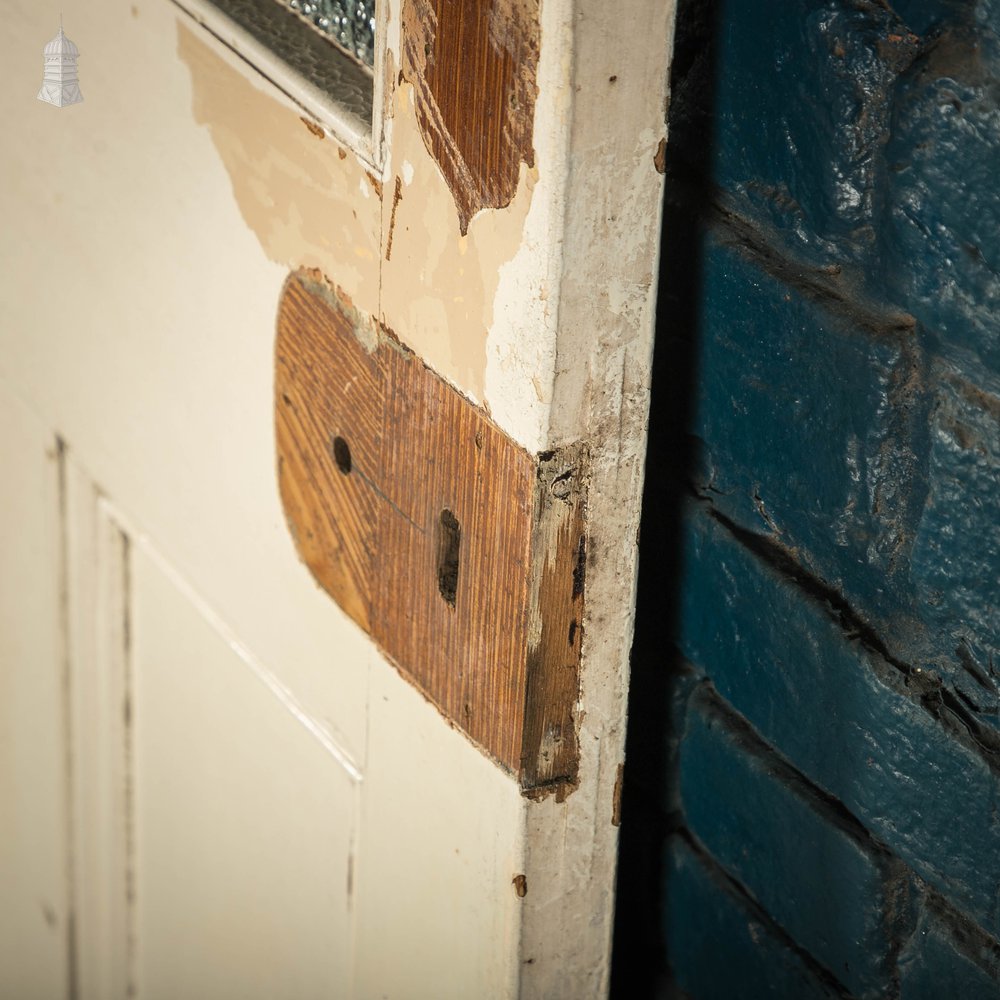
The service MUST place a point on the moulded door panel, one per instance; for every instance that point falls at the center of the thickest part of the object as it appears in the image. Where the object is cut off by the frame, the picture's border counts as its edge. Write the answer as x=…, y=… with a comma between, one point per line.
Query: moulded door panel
x=245, y=817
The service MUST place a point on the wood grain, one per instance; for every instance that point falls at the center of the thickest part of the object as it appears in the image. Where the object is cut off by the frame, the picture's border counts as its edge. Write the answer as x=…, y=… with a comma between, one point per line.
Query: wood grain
x=558, y=580
x=473, y=69
x=454, y=548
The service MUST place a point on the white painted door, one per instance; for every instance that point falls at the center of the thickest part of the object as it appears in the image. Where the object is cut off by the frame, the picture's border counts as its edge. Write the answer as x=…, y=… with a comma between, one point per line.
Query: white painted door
x=213, y=783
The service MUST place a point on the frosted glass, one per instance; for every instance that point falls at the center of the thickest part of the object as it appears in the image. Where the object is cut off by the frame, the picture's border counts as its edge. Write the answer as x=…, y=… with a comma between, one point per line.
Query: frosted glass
x=349, y=23
x=314, y=53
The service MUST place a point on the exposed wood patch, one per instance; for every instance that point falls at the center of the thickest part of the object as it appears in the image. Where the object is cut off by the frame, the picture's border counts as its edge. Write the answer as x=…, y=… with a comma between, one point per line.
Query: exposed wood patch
x=314, y=127
x=555, y=633
x=660, y=156
x=397, y=197
x=460, y=553
x=473, y=68
x=616, y=800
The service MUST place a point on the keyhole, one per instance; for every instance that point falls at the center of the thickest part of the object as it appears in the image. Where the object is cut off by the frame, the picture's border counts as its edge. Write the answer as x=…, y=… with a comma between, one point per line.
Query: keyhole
x=342, y=455
x=449, y=541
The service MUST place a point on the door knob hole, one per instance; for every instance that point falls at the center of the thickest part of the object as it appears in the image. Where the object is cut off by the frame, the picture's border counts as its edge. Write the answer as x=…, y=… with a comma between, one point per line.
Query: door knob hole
x=342, y=455
x=449, y=542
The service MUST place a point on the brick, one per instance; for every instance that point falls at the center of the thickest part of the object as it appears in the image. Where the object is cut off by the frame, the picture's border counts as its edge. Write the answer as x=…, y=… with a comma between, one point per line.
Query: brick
x=815, y=877
x=720, y=948
x=941, y=244
x=800, y=436
x=935, y=964
x=880, y=472
x=802, y=105
x=954, y=565
x=843, y=717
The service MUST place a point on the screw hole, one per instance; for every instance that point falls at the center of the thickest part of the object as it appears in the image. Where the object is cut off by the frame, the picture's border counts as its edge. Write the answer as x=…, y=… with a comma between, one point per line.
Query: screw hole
x=449, y=541
x=342, y=455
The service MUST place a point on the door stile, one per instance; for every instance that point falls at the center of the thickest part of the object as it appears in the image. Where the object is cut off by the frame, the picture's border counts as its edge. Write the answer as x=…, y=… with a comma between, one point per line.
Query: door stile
x=606, y=299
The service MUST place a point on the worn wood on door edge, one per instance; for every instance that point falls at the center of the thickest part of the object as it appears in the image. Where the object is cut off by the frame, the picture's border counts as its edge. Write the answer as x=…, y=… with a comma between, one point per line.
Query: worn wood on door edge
x=461, y=554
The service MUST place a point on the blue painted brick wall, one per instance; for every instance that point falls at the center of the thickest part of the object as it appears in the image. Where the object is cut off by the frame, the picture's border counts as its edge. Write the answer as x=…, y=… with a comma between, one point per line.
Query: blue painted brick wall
x=819, y=615
x=814, y=871
x=802, y=101
x=704, y=909
x=877, y=739
x=939, y=960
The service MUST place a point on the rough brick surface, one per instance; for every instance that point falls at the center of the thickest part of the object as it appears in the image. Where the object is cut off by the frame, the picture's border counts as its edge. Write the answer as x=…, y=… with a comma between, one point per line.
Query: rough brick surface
x=955, y=564
x=800, y=438
x=942, y=237
x=878, y=741
x=720, y=947
x=939, y=961
x=879, y=469
x=815, y=872
x=802, y=105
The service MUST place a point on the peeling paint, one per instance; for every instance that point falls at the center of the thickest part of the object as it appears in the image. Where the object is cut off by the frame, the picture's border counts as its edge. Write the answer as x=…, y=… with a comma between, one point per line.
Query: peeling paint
x=397, y=196
x=616, y=799
x=660, y=156
x=438, y=288
x=314, y=205
x=297, y=195
x=316, y=129
x=478, y=126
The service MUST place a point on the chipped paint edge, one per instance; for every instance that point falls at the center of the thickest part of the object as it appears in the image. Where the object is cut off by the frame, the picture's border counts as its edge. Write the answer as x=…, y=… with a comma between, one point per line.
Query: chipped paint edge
x=296, y=92
x=521, y=344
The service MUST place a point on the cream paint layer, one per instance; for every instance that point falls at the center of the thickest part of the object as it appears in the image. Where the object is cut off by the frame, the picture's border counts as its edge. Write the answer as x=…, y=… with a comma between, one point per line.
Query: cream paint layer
x=297, y=191
x=478, y=308
x=138, y=319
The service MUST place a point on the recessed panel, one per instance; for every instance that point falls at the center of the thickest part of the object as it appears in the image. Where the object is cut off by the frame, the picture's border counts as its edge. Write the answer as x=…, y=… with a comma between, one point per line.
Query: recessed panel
x=34, y=872
x=244, y=815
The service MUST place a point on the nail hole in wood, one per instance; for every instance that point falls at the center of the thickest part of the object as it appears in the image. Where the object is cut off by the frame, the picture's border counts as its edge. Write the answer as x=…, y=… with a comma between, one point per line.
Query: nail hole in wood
x=449, y=541
x=342, y=455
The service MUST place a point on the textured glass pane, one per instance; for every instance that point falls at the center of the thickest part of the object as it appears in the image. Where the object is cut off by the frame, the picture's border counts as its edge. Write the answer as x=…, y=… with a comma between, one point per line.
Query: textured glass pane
x=311, y=53
x=350, y=23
